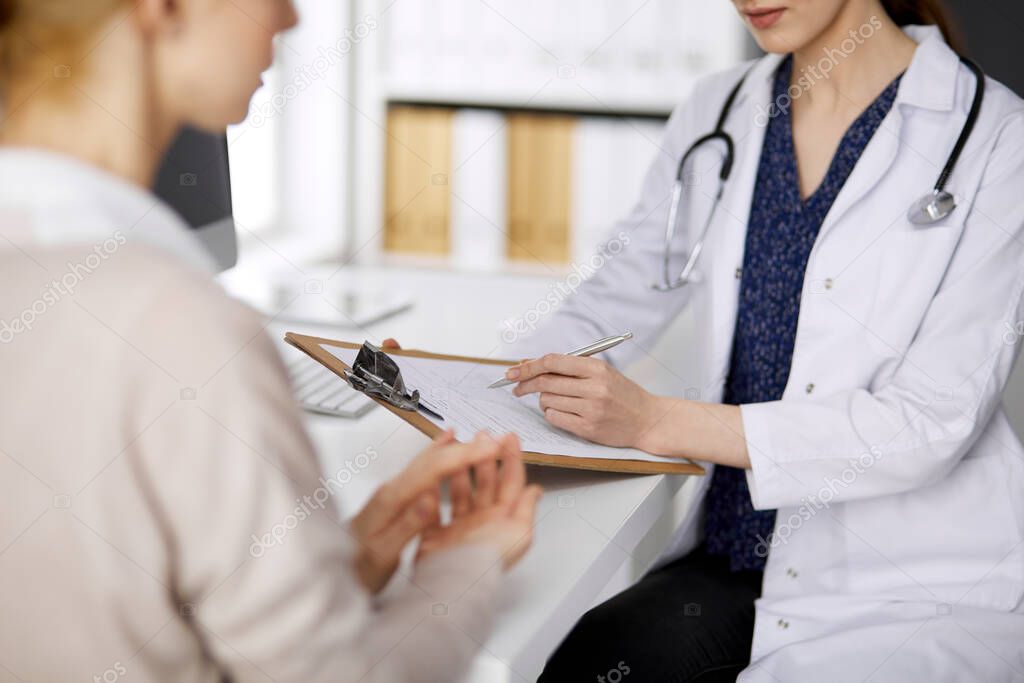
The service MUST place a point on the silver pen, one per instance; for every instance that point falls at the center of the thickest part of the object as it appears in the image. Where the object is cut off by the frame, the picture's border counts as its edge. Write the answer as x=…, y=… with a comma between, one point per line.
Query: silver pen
x=588, y=350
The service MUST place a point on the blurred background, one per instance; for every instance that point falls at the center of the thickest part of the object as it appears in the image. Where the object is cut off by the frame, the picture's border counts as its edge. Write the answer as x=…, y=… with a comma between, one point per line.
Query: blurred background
x=466, y=154
x=986, y=29
x=489, y=135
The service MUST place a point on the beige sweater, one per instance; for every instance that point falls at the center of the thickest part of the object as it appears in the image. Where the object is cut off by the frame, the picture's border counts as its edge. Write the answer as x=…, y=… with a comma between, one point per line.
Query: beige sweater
x=148, y=442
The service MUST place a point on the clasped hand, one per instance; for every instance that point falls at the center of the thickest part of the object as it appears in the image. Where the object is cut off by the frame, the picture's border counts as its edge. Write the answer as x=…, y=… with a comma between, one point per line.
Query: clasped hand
x=491, y=504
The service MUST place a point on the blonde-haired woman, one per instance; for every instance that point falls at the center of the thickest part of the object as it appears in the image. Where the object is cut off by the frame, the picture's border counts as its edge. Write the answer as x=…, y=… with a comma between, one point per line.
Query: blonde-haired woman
x=147, y=439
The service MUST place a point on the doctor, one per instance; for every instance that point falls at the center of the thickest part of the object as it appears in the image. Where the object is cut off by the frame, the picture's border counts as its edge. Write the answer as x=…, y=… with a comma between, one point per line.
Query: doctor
x=865, y=513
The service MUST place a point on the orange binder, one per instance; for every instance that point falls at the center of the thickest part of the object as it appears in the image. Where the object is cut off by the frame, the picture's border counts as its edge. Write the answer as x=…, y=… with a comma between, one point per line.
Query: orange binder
x=539, y=187
x=417, y=197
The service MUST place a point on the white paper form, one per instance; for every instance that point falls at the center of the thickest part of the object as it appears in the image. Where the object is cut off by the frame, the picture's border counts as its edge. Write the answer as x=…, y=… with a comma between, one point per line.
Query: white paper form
x=458, y=391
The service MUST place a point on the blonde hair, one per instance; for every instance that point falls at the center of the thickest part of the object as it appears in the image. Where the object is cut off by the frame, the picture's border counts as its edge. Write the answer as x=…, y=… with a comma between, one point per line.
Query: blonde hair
x=52, y=30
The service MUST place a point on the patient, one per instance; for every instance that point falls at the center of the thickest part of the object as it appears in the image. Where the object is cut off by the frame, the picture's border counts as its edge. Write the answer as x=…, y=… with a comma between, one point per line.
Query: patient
x=163, y=514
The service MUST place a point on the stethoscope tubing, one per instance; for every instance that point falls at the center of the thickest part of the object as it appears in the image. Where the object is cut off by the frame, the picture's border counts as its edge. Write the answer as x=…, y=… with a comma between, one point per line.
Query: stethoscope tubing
x=933, y=207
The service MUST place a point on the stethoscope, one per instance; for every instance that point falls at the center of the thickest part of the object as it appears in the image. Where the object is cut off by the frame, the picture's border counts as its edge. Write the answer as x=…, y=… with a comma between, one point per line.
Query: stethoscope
x=929, y=209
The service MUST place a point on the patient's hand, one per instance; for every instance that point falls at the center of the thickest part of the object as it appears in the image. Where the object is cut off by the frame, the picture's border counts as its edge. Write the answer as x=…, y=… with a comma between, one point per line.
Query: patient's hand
x=498, y=510
x=402, y=508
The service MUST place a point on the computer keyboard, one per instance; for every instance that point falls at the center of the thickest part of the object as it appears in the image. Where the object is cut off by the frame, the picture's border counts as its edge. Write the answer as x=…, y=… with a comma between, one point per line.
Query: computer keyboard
x=319, y=390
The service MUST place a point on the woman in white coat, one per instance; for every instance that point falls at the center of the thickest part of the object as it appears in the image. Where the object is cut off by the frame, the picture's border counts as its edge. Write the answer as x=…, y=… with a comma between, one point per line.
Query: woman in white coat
x=868, y=491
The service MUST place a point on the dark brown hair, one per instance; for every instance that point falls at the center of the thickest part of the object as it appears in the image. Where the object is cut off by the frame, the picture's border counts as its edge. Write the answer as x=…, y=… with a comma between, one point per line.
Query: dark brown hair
x=905, y=12
x=6, y=12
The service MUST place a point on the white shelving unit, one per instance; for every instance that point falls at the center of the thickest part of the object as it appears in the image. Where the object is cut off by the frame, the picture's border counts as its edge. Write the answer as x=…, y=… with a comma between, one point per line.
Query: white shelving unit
x=600, y=58
x=595, y=57
x=309, y=161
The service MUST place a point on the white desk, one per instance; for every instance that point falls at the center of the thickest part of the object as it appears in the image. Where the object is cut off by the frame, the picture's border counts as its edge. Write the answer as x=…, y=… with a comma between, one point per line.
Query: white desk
x=595, y=532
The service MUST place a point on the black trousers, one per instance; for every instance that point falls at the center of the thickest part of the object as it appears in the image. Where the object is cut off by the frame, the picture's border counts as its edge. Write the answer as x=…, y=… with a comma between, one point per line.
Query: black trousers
x=692, y=620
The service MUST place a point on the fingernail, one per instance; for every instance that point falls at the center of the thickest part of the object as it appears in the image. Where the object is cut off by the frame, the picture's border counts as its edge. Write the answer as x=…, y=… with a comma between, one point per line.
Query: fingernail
x=513, y=373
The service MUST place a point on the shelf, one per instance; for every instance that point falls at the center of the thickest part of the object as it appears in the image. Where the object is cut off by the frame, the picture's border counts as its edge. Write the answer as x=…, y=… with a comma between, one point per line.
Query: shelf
x=583, y=104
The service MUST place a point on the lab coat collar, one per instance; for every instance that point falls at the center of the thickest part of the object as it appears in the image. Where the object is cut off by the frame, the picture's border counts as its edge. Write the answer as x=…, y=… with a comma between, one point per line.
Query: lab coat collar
x=930, y=80
x=759, y=81
x=50, y=199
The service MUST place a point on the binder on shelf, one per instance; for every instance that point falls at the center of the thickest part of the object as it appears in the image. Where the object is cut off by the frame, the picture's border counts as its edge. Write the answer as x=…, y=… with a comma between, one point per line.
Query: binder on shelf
x=610, y=161
x=539, y=187
x=594, y=202
x=478, y=206
x=417, y=167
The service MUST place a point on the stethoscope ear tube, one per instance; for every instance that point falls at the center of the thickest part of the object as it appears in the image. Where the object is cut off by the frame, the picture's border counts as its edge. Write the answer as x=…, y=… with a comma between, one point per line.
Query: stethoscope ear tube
x=930, y=209
x=727, y=158
x=972, y=118
x=685, y=276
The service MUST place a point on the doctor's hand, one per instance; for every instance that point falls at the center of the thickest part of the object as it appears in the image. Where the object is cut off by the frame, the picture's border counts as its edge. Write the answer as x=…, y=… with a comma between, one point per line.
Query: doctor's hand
x=589, y=398
x=401, y=509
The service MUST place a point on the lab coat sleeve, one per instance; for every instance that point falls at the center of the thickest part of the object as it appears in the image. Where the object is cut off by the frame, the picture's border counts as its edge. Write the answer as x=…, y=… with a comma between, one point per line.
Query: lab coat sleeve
x=913, y=430
x=611, y=293
x=255, y=548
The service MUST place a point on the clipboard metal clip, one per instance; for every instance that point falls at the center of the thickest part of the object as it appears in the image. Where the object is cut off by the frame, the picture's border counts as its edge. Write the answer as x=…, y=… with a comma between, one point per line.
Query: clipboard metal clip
x=376, y=374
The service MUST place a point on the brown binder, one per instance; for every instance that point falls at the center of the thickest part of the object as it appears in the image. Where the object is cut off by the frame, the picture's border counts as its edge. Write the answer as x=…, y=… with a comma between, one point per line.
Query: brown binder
x=539, y=187
x=312, y=347
x=417, y=200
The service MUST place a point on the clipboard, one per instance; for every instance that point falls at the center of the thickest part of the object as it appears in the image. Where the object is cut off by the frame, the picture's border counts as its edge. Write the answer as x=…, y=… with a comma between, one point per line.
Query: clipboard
x=312, y=346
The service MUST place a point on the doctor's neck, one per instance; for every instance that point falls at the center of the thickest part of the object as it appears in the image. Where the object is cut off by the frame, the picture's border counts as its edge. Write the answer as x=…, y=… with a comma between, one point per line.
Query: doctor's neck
x=850, y=62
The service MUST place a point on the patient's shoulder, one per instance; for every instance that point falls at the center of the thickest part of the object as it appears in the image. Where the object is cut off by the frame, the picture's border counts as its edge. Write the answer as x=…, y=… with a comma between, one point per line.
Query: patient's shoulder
x=175, y=314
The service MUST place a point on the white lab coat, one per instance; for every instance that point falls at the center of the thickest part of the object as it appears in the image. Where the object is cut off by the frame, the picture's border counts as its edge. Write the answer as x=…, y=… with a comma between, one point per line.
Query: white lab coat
x=899, y=484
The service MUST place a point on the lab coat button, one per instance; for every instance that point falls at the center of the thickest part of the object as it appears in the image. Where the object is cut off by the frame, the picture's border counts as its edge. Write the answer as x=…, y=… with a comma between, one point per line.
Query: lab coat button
x=739, y=273
x=828, y=283
x=783, y=623
x=810, y=388
x=791, y=573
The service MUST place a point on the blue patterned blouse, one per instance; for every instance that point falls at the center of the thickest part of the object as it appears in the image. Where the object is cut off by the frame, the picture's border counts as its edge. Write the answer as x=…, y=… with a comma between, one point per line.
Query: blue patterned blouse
x=780, y=235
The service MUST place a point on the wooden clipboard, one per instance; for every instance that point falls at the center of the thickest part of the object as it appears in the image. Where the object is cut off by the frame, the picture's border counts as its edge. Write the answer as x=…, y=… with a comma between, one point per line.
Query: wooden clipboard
x=311, y=346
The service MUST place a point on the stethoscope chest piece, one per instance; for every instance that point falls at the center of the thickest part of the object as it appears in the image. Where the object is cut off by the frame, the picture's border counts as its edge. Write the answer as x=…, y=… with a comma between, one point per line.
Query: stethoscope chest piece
x=931, y=208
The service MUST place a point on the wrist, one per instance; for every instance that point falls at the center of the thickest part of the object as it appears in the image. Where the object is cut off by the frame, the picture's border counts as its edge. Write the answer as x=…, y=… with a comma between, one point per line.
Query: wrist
x=665, y=432
x=447, y=573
